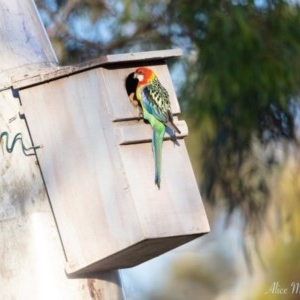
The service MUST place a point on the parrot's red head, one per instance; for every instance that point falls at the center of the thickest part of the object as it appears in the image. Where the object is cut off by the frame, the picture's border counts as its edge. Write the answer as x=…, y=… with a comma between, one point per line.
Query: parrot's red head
x=144, y=75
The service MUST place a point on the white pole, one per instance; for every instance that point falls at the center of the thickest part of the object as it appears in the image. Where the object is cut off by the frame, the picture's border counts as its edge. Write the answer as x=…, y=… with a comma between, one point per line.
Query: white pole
x=23, y=41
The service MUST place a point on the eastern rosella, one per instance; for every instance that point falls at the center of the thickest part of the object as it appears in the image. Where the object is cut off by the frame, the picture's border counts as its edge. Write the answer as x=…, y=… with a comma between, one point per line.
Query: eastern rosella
x=156, y=108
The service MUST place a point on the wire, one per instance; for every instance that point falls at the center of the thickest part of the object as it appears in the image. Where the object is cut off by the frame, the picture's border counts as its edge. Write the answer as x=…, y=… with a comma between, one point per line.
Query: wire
x=17, y=137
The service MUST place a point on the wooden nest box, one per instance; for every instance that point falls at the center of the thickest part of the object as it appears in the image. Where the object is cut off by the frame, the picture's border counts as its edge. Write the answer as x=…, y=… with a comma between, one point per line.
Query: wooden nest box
x=97, y=164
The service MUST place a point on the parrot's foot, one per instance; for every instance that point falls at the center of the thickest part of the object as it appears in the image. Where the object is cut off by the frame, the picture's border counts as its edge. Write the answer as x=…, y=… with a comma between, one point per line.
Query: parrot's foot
x=133, y=100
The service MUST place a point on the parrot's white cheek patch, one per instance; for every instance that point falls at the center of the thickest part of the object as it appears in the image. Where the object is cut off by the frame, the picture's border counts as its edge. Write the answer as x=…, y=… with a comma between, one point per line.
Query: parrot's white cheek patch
x=140, y=77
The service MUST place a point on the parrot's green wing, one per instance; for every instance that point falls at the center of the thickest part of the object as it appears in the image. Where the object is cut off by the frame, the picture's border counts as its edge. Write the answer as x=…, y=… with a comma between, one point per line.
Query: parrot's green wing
x=156, y=101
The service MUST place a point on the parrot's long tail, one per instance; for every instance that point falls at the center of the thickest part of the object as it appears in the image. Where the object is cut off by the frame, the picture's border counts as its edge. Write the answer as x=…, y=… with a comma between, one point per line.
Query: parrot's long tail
x=157, y=142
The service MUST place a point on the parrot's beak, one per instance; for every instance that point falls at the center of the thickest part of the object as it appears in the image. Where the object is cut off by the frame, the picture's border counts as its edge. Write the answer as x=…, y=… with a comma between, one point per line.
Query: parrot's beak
x=135, y=76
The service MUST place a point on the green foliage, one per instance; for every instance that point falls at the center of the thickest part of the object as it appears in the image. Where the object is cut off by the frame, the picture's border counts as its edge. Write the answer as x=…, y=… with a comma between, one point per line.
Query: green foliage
x=245, y=73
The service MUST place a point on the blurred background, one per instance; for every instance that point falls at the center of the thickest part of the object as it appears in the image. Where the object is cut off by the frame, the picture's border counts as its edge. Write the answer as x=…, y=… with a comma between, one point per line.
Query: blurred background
x=238, y=87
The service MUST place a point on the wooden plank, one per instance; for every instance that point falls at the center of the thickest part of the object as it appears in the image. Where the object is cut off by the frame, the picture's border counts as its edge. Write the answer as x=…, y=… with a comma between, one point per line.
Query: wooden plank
x=138, y=132
x=176, y=206
x=79, y=167
x=141, y=56
x=47, y=74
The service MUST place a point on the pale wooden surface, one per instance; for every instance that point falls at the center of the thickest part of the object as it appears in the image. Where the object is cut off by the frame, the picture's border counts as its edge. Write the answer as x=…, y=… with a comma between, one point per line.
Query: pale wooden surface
x=32, y=260
x=24, y=46
x=103, y=194
x=79, y=167
x=132, y=132
x=32, y=77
